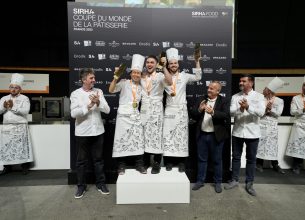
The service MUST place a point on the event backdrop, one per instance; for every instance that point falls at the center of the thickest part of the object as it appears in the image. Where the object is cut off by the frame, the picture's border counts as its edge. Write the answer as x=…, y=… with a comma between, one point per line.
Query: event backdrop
x=105, y=37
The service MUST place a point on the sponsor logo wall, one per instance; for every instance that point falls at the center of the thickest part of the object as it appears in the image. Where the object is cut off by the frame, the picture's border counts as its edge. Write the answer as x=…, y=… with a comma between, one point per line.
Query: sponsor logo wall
x=105, y=37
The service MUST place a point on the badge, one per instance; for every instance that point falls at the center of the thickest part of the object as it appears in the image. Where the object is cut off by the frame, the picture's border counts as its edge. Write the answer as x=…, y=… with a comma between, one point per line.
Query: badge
x=134, y=104
x=173, y=94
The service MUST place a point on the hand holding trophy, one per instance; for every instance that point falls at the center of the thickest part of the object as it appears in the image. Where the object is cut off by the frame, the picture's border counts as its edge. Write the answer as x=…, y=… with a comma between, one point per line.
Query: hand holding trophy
x=197, y=52
x=162, y=60
x=119, y=71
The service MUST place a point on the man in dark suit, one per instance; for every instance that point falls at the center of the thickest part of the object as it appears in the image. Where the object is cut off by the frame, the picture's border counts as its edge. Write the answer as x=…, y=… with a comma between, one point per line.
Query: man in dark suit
x=212, y=112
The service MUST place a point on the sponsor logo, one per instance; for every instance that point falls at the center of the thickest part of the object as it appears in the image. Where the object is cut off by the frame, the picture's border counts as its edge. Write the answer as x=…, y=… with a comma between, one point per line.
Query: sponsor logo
x=190, y=45
x=108, y=69
x=165, y=44
x=199, y=83
x=83, y=11
x=207, y=45
x=99, y=82
x=219, y=58
x=205, y=58
x=110, y=95
x=221, y=45
x=197, y=95
x=221, y=71
x=180, y=57
x=87, y=43
x=79, y=56
x=155, y=44
x=186, y=70
x=99, y=43
x=223, y=83
x=207, y=83
x=91, y=56
x=107, y=82
x=207, y=70
x=114, y=44
x=178, y=44
x=101, y=56
x=144, y=44
x=190, y=57
x=224, y=13
x=204, y=14
x=76, y=43
x=189, y=96
x=127, y=57
x=98, y=69
x=114, y=57
x=129, y=44
x=222, y=94
x=78, y=83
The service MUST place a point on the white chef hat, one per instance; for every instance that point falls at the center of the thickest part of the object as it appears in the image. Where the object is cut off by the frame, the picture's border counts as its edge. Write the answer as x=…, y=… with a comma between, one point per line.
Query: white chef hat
x=17, y=79
x=275, y=84
x=172, y=54
x=137, y=62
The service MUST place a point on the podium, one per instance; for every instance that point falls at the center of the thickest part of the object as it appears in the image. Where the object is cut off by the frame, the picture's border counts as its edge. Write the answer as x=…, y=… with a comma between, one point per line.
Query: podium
x=165, y=187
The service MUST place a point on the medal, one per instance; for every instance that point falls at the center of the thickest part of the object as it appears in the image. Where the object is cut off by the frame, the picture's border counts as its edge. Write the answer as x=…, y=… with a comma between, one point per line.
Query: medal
x=173, y=94
x=134, y=105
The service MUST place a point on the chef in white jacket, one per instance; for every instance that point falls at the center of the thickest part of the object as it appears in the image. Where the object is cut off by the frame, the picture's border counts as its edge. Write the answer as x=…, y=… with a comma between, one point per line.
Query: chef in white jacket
x=296, y=143
x=175, y=130
x=268, y=143
x=247, y=107
x=15, y=143
x=128, y=137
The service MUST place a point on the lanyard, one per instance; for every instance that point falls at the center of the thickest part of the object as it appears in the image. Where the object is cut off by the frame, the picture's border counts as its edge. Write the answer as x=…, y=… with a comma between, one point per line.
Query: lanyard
x=174, y=86
x=134, y=89
x=148, y=81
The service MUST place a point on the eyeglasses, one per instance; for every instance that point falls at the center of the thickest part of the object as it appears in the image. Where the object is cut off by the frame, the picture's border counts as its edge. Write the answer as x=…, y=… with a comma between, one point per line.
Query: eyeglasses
x=14, y=87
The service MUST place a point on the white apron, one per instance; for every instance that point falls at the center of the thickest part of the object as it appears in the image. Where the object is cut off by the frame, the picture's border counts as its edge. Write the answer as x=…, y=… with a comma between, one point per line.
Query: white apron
x=15, y=144
x=268, y=142
x=128, y=137
x=152, y=121
x=175, y=131
x=296, y=143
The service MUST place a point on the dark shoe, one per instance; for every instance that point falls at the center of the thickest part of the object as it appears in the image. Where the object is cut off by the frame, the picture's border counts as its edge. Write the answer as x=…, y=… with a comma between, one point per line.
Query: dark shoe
x=231, y=185
x=80, y=192
x=169, y=167
x=296, y=170
x=249, y=189
x=259, y=168
x=155, y=168
x=6, y=170
x=181, y=167
x=218, y=188
x=279, y=170
x=103, y=189
x=197, y=186
x=121, y=170
x=141, y=169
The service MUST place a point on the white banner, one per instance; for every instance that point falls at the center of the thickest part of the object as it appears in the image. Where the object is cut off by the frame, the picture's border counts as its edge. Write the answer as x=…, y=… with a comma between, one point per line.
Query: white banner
x=292, y=86
x=33, y=83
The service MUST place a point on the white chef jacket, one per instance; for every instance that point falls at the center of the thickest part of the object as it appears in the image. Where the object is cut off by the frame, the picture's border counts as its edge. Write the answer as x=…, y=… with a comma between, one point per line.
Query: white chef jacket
x=246, y=124
x=88, y=122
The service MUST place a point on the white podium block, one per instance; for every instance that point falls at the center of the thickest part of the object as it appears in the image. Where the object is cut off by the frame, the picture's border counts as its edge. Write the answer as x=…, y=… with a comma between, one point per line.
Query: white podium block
x=165, y=187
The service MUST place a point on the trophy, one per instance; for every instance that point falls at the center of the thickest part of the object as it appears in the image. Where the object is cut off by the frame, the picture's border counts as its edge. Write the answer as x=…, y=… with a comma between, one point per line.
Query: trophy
x=197, y=53
x=163, y=54
x=120, y=71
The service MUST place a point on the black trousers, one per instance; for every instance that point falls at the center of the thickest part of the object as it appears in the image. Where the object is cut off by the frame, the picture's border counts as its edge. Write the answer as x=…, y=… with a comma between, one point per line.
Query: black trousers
x=136, y=160
x=90, y=147
x=174, y=160
x=260, y=162
x=156, y=158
